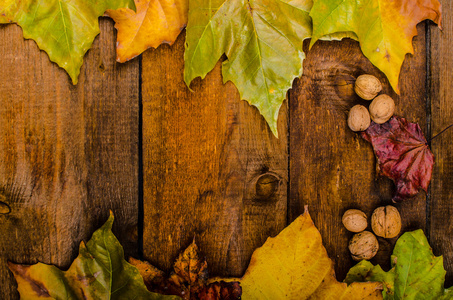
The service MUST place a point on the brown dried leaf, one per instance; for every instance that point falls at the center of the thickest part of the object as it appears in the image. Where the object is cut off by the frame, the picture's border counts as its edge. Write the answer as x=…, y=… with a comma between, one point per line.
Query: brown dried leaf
x=189, y=278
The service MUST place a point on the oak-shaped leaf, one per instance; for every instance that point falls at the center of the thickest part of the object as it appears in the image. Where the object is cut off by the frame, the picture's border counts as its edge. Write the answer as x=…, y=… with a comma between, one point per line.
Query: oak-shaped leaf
x=189, y=278
x=99, y=272
x=295, y=265
x=262, y=40
x=155, y=22
x=403, y=155
x=384, y=28
x=415, y=274
x=64, y=29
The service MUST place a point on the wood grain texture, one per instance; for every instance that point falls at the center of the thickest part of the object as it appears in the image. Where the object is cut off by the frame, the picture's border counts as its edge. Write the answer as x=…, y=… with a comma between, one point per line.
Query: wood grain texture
x=68, y=153
x=203, y=153
x=441, y=216
x=333, y=169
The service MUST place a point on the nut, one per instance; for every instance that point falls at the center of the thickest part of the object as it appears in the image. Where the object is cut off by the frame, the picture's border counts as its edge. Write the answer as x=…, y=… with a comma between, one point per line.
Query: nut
x=386, y=221
x=359, y=118
x=354, y=220
x=382, y=108
x=367, y=86
x=363, y=245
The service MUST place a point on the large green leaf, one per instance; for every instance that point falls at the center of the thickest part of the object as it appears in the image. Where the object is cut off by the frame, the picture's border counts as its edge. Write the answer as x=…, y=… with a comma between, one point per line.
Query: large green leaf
x=384, y=28
x=99, y=272
x=262, y=40
x=416, y=273
x=64, y=29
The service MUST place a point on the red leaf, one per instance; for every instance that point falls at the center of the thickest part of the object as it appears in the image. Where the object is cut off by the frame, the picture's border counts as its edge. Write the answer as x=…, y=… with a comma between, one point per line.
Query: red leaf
x=403, y=155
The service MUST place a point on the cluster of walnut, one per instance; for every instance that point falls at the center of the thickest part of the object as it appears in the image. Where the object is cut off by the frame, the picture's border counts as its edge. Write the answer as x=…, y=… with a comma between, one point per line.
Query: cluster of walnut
x=381, y=108
x=385, y=222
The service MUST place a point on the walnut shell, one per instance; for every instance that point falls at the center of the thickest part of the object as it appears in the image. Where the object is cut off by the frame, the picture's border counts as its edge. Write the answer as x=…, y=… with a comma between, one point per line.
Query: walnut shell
x=382, y=108
x=386, y=221
x=354, y=220
x=363, y=245
x=367, y=86
x=359, y=118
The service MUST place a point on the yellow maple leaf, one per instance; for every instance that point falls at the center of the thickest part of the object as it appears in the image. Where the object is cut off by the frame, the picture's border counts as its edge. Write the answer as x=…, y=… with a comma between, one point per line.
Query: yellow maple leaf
x=295, y=265
x=155, y=22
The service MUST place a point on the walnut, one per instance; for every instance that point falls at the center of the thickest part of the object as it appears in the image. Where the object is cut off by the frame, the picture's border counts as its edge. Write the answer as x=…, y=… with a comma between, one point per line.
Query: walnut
x=386, y=221
x=382, y=108
x=359, y=118
x=363, y=245
x=354, y=220
x=367, y=86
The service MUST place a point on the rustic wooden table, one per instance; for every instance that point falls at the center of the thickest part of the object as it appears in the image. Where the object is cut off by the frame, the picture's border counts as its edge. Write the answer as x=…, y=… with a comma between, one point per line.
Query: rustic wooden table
x=173, y=164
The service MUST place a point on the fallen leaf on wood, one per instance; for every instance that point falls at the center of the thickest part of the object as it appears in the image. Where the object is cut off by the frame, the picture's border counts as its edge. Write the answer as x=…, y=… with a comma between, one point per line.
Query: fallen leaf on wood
x=403, y=155
x=384, y=28
x=189, y=278
x=99, y=272
x=416, y=273
x=154, y=23
x=295, y=265
x=262, y=41
x=64, y=29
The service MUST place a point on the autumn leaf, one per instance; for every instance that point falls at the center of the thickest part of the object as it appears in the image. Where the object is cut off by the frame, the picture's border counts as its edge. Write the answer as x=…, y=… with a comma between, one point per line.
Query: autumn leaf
x=189, y=278
x=6, y=9
x=64, y=29
x=384, y=28
x=295, y=265
x=416, y=273
x=99, y=272
x=154, y=23
x=403, y=155
x=262, y=40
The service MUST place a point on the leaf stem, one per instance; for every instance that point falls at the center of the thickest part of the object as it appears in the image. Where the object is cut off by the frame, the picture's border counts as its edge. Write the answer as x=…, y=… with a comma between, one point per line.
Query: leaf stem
x=440, y=132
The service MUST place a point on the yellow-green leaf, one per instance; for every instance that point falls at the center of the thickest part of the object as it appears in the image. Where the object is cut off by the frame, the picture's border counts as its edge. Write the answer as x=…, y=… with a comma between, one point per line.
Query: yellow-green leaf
x=64, y=29
x=99, y=272
x=262, y=40
x=384, y=28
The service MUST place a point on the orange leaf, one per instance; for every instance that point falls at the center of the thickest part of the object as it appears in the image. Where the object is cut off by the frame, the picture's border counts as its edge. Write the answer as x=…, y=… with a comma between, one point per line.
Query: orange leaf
x=154, y=23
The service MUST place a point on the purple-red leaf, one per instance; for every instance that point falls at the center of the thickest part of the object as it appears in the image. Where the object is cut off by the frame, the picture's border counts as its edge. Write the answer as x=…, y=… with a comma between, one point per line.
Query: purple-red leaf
x=403, y=155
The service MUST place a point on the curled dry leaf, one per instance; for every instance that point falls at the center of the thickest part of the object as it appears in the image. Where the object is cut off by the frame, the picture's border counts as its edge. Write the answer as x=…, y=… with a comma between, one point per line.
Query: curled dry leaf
x=403, y=155
x=189, y=278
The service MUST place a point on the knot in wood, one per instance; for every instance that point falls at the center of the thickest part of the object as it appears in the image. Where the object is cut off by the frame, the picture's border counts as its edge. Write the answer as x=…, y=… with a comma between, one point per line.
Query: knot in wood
x=266, y=186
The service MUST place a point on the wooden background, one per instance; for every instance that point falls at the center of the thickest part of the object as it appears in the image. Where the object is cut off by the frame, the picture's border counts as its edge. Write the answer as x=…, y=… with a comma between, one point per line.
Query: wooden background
x=173, y=164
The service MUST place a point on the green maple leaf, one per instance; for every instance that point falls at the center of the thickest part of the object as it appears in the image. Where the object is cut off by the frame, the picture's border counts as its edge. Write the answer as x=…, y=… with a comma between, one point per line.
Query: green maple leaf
x=64, y=29
x=384, y=28
x=416, y=273
x=262, y=40
x=99, y=272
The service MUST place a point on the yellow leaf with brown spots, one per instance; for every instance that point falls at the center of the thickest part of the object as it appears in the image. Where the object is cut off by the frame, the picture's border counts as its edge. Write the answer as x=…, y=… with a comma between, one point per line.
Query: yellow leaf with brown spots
x=154, y=23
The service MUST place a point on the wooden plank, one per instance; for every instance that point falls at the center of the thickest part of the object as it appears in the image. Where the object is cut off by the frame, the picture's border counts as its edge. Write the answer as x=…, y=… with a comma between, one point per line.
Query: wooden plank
x=441, y=206
x=68, y=153
x=333, y=169
x=203, y=153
